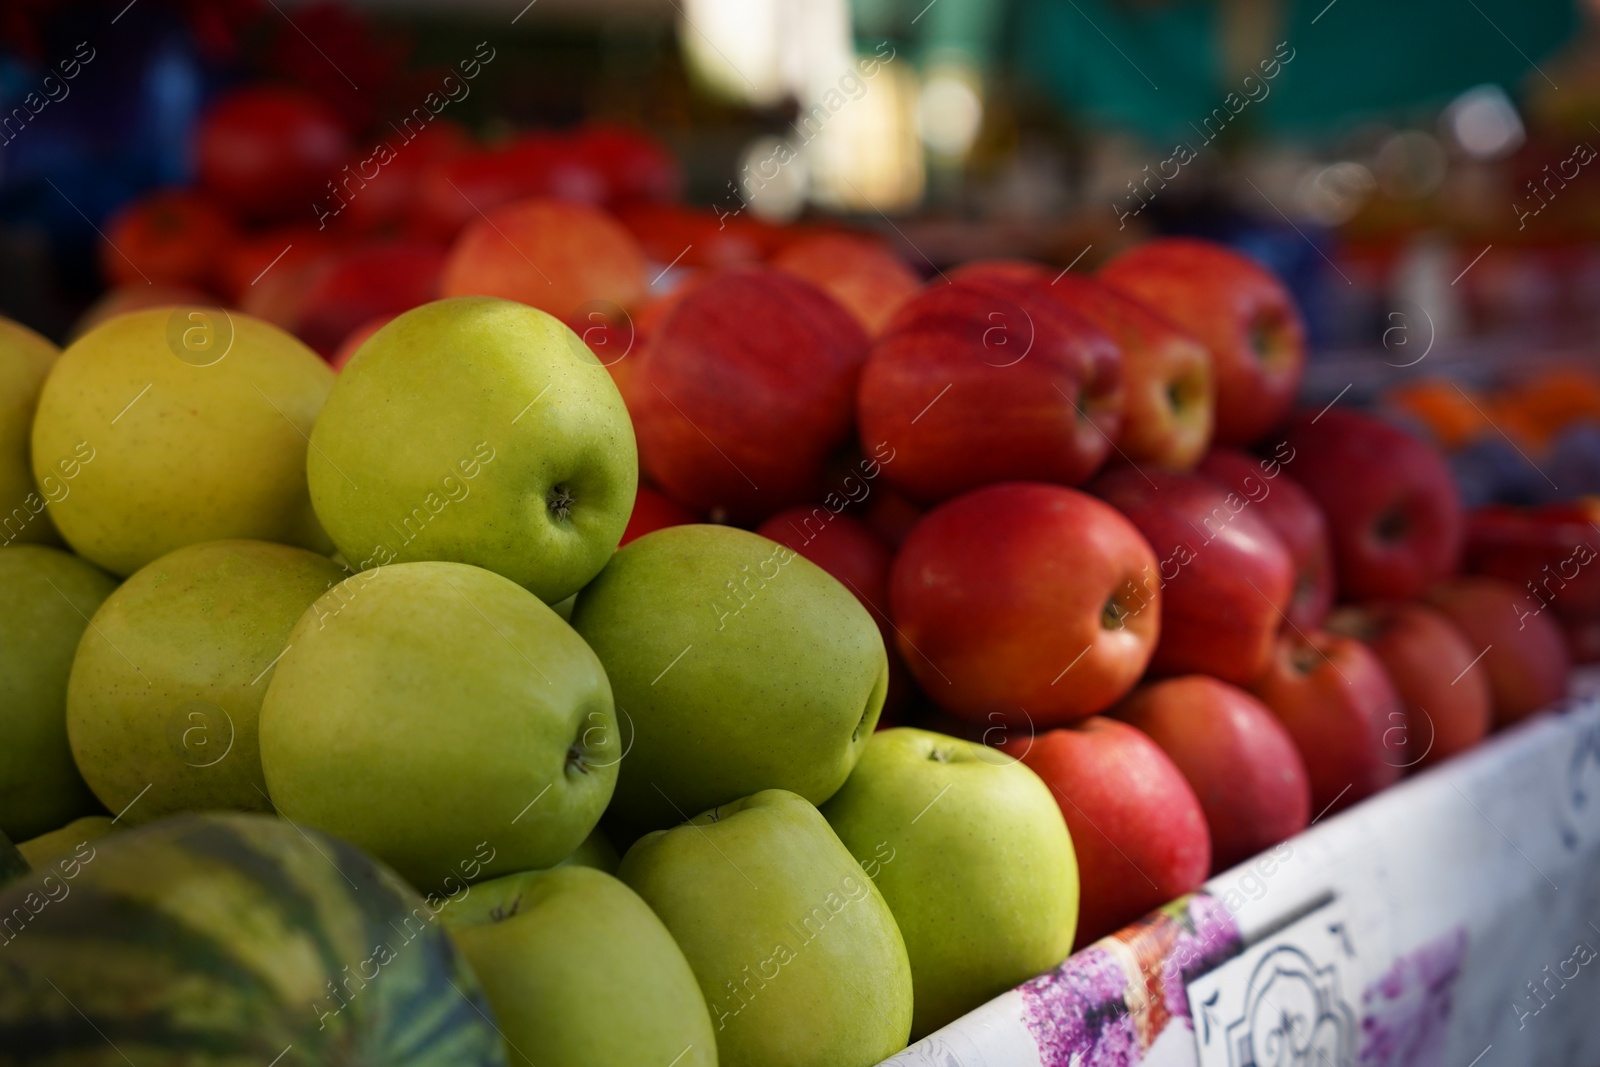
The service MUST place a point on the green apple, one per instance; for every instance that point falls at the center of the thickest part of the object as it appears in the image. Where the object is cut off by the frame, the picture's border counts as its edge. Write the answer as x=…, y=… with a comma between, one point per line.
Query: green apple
x=172, y=426
x=46, y=600
x=166, y=691
x=737, y=666
x=430, y=711
x=480, y=431
x=43, y=850
x=580, y=972
x=25, y=359
x=969, y=848
x=597, y=851
x=796, y=952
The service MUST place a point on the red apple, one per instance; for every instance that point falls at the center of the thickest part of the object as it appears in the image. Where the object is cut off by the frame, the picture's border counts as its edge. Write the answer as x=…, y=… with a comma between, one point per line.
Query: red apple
x=264, y=258
x=1240, y=760
x=870, y=281
x=1526, y=661
x=1225, y=576
x=1025, y=601
x=1239, y=310
x=355, y=339
x=680, y=236
x=331, y=297
x=169, y=237
x=654, y=510
x=559, y=257
x=269, y=152
x=1167, y=375
x=1546, y=552
x=986, y=380
x=1337, y=702
x=635, y=165
x=1390, y=502
x=1294, y=516
x=1136, y=824
x=744, y=391
x=378, y=186
x=892, y=516
x=1439, y=676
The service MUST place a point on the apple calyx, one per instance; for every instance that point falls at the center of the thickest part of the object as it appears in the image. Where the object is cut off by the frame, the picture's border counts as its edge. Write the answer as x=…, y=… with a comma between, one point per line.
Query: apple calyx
x=1269, y=340
x=501, y=912
x=560, y=500
x=1306, y=657
x=1392, y=525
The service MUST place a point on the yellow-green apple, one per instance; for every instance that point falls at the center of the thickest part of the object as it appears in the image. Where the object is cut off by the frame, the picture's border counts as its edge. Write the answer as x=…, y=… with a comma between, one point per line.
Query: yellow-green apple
x=1225, y=576
x=1293, y=515
x=1239, y=310
x=1138, y=829
x=1026, y=603
x=1439, y=677
x=580, y=971
x=848, y=550
x=596, y=851
x=41, y=851
x=797, y=954
x=1167, y=378
x=1337, y=702
x=971, y=852
x=989, y=379
x=861, y=273
x=46, y=600
x=1526, y=661
x=25, y=359
x=744, y=392
x=479, y=431
x=188, y=424
x=430, y=711
x=166, y=690
x=1391, y=503
x=737, y=666
x=1240, y=760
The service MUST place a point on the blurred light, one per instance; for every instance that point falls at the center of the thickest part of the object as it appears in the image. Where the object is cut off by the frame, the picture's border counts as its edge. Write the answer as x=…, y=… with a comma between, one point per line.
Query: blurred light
x=733, y=46
x=867, y=157
x=1333, y=194
x=949, y=111
x=1411, y=164
x=775, y=190
x=1484, y=122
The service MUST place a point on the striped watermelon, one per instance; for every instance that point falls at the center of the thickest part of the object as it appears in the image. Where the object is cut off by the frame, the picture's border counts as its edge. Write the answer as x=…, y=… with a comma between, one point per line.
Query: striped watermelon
x=231, y=941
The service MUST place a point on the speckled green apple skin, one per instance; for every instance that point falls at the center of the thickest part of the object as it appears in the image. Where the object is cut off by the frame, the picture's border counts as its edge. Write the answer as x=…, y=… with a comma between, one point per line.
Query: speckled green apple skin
x=425, y=711
x=581, y=972
x=448, y=433
x=205, y=453
x=737, y=666
x=798, y=956
x=167, y=687
x=46, y=600
x=43, y=850
x=970, y=850
x=25, y=359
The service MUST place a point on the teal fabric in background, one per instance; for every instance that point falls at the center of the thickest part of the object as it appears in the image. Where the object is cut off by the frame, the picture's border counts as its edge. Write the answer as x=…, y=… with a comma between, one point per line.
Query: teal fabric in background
x=1154, y=69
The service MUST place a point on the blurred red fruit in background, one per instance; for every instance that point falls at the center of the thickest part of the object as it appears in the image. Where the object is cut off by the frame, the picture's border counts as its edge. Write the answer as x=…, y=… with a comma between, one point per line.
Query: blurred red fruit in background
x=268, y=151
x=169, y=237
x=1527, y=660
x=388, y=198
x=653, y=510
x=870, y=281
x=356, y=338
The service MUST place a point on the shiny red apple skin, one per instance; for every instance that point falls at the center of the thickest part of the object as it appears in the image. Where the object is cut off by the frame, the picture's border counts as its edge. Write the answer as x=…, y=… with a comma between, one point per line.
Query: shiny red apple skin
x=1025, y=602
x=167, y=237
x=1168, y=413
x=1225, y=576
x=654, y=510
x=1239, y=759
x=867, y=279
x=744, y=391
x=269, y=152
x=985, y=380
x=1392, y=507
x=1527, y=662
x=1335, y=698
x=1293, y=515
x=1439, y=676
x=1136, y=824
x=1239, y=310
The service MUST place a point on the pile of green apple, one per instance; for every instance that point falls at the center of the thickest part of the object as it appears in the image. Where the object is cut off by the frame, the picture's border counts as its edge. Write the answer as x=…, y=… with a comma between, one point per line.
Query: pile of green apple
x=391, y=606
